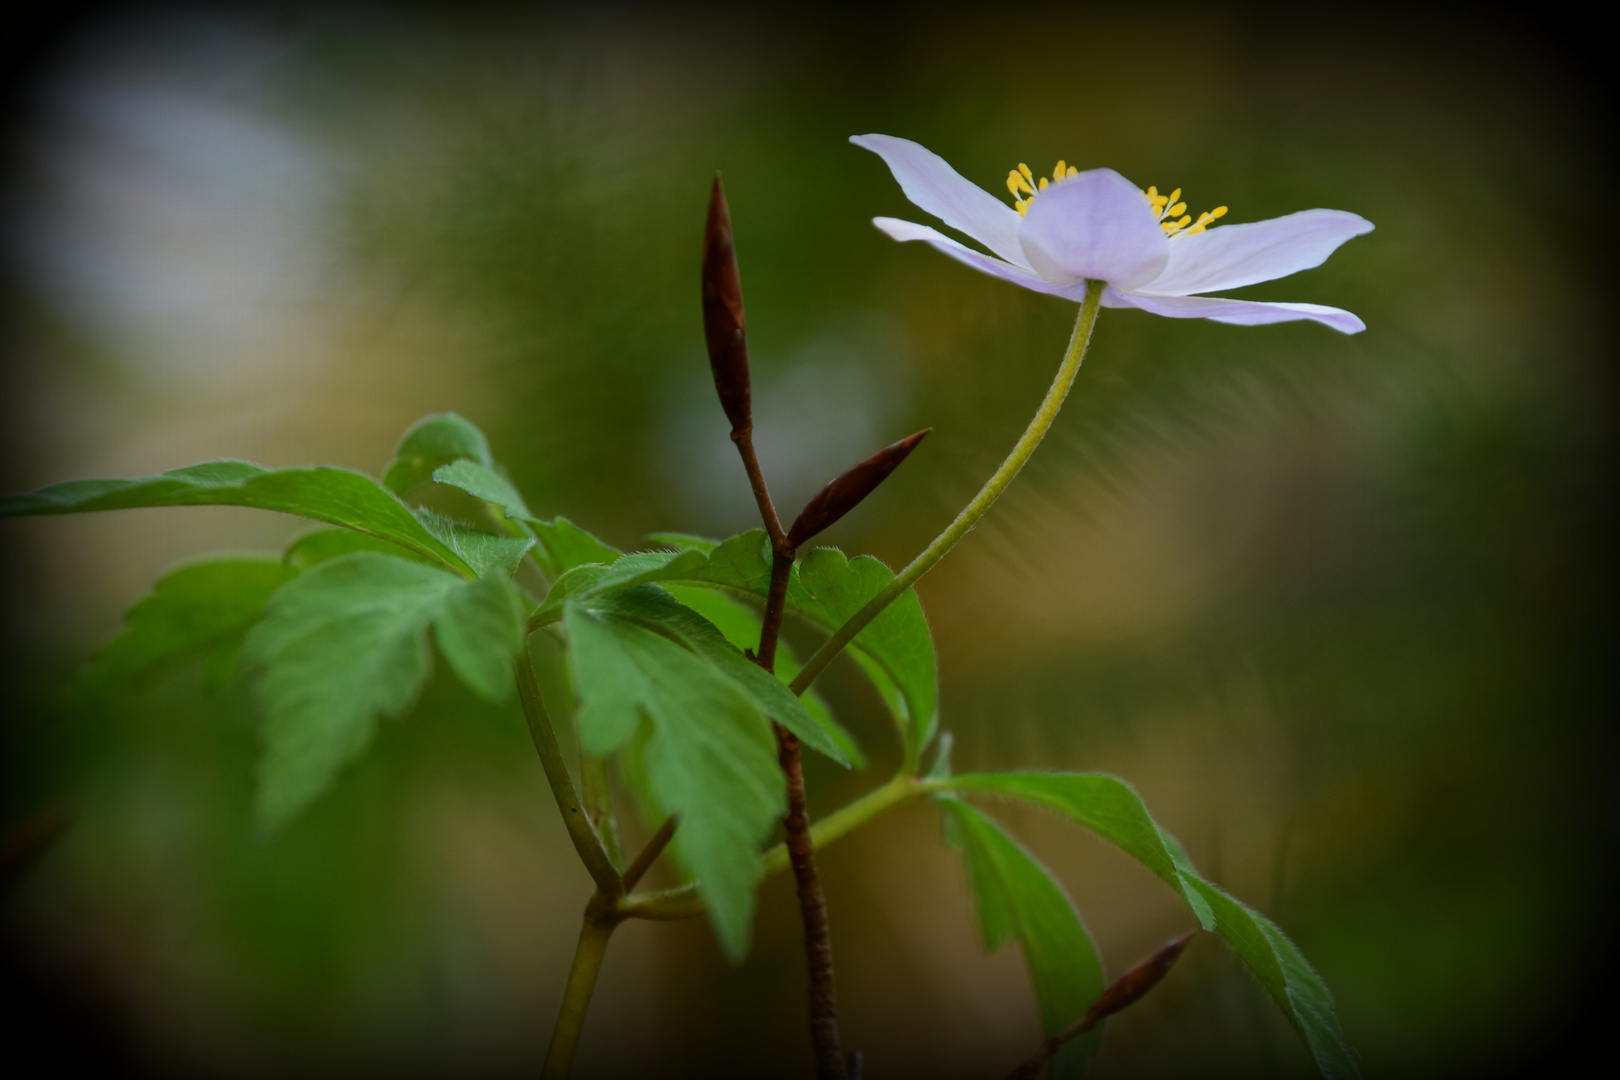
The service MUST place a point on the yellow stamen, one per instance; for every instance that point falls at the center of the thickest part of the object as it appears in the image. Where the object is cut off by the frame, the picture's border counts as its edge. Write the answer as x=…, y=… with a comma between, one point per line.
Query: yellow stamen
x=1177, y=210
x=1176, y=194
x=1173, y=217
x=1057, y=173
x=1043, y=183
x=1024, y=186
x=1025, y=170
x=1072, y=172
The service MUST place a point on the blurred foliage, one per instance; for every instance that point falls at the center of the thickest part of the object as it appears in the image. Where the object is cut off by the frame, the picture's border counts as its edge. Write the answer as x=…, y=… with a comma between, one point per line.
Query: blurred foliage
x=1340, y=608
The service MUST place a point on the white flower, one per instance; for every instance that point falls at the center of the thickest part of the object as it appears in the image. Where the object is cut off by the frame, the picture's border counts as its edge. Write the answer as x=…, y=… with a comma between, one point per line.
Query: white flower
x=1099, y=225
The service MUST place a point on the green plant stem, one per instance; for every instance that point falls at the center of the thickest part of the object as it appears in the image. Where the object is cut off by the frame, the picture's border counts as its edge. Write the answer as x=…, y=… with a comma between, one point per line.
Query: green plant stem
x=600, y=920
x=593, y=782
x=1042, y=422
x=687, y=901
x=586, y=842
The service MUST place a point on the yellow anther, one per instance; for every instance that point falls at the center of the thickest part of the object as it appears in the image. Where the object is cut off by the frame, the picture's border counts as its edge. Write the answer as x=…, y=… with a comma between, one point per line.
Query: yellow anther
x=1195, y=229
x=1168, y=226
x=1024, y=169
x=1179, y=208
x=1057, y=173
x=1159, y=201
x=1174, y=195
x=1012, y=183
x=1219, y=211
x=1073, y=171
x=1152, y=193
x=1043, y=183
x=1185, y=221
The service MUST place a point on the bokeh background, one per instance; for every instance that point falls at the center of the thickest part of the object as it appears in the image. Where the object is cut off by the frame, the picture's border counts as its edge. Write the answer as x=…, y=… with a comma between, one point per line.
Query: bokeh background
x=1337, y=606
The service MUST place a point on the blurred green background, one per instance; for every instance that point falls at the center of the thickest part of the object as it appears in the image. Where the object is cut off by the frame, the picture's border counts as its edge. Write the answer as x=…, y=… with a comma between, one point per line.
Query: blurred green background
x=1337, y=606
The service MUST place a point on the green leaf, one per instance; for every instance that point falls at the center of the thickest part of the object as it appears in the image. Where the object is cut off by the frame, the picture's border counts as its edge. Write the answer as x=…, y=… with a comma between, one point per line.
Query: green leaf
x=200, y=609
x=660, y=612
x=896, y=649
x=741, y=625
x=335, y=496
x=480, y=480
x=346, y=641
x=480, y=631
x=573, y=583
x=682, y=541
x=429, y=443
x=709, y=754
x=319, y=545
x=485, y=552
x=566, y=545
x=1111, y=808
x=1018, y=900
x=833, y=588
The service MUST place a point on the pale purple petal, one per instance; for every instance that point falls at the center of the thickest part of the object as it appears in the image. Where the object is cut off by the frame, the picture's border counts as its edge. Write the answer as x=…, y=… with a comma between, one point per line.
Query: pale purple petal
x=1236, y=312
x=906, y=230
x=1094, y=225
x=1230, y=256
x=933, y=185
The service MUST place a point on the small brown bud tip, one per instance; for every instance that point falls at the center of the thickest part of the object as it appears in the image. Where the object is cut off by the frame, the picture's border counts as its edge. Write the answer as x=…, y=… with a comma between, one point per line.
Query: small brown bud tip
x=1143, y=976
x=723, y=328
x=846, y=492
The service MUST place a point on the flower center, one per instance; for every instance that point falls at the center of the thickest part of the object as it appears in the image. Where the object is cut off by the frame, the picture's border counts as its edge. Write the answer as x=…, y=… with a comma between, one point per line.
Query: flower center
x=1173, y=216
x=1024, y=186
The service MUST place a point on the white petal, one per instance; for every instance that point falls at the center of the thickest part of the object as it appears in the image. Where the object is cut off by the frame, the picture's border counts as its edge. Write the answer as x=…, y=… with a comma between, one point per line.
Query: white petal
x=932, y=184
x=1236, y=312
x=906, y=230
x=1095, y=225
x=1231, y=256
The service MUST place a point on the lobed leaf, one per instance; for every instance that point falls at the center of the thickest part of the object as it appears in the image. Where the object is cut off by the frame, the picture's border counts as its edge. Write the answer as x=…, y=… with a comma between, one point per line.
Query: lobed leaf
x=346, y=641
x=485, y=552
x=709, y=755
x=335, y=496
x=1110, y=807
x=320, y=545
x=200, y=609
x=895, y=650
x=1017, y=899
x=740, y=625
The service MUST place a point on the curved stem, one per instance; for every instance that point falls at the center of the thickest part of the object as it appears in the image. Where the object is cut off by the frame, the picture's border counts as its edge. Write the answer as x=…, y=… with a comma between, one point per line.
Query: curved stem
x=574, y=817
x=593, y=939
x=981, y=502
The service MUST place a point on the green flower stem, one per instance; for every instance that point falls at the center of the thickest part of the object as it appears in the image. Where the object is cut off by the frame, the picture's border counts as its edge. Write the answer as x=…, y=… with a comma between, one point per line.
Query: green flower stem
x=586, y=842
x=981, y=502
x=600, y=921
x=593, y=782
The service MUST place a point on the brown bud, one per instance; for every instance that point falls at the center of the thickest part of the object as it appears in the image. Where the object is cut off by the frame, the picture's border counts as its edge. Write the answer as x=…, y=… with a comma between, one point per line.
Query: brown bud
x=1142, y=977
x=723, y=313
x=845, y=493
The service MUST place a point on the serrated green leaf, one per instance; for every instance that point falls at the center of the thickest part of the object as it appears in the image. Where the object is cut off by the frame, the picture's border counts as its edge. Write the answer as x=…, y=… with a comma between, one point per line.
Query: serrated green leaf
x=480, y=631
x=335, y=496
x=482, y=481
x=566, y=545
x=199, y=609
x=682, y=541
x=319, y=545
x=741, y=625
x=709, y=754
x=345, y=641
x=429, y=443
x=1111, y=808
x=895, y=650
x=1017, y=899
x=485, y=552
x=660, y=612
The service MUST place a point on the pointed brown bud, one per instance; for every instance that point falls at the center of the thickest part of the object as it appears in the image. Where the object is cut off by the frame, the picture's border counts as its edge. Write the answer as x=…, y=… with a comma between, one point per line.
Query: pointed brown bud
x=1142, y=977
x=723, y=313
x=845, y=493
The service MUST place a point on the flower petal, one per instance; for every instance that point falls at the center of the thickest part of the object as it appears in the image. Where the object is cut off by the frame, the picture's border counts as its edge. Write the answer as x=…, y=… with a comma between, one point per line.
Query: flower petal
x=1094, y=225
x=907, y=230
x=1231, y=256
x=933, y=185
x=1236, y=312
